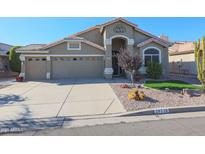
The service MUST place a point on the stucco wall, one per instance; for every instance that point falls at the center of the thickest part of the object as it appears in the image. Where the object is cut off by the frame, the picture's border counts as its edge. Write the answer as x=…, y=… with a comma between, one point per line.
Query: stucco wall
x=85, y=49
x=139, y=37
x=109, y=30
x=188, y=63
x=93, y=36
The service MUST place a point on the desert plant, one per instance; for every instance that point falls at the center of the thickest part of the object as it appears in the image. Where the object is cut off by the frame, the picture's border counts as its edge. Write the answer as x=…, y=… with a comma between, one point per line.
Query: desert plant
x=136, y=94
x=14, y=61
x=130, y=63
x=154, y=70
x=199, y=51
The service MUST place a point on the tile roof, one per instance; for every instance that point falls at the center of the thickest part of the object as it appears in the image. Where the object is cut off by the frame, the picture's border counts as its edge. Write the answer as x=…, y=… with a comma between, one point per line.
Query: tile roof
x=35, y=47
x=181, y=48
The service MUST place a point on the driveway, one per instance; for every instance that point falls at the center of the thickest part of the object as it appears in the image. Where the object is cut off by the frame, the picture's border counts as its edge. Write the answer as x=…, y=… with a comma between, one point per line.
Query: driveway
x=58, y=98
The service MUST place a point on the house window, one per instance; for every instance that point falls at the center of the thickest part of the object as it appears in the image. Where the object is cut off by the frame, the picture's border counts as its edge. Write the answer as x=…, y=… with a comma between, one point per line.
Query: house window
x=151, y=55
x=74, y=46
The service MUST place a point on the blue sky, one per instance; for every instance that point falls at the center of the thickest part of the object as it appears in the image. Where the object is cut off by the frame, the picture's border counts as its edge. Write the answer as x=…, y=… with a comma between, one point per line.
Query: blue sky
x=23, y=31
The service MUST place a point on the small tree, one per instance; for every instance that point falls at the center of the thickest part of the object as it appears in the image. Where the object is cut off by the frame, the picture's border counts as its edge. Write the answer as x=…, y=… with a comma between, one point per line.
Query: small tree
x=14, y=61
x=129, y=63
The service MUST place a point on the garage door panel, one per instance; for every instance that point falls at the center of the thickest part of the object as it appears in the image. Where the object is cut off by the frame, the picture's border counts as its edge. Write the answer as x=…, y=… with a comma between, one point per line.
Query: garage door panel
x=77, y=68
x=36, y=69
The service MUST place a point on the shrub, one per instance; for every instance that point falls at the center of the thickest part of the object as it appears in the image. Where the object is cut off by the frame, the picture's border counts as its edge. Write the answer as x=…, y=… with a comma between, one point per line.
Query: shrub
x=154, y=70
x=136, y=94
x=14, y=61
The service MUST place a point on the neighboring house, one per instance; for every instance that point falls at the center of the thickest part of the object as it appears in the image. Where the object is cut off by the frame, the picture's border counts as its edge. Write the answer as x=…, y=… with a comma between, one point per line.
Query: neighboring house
x=4, y=57
x=182, y=59
x=92, y=52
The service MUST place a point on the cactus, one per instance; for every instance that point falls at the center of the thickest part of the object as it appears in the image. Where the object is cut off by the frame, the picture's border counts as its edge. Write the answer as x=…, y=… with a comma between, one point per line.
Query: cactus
x=199, y=53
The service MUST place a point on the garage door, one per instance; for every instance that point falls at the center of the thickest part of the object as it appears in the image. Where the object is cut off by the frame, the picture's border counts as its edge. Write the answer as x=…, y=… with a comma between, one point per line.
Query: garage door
x=36, y=69
x=77, y=67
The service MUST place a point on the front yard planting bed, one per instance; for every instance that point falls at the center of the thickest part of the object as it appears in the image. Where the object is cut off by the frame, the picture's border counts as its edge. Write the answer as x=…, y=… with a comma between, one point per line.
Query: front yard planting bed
x=159, y=98
x=170, y=84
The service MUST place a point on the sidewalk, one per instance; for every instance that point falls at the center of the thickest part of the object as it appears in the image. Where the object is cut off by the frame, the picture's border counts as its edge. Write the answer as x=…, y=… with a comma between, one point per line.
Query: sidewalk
x=82, y=121
x=127, y=125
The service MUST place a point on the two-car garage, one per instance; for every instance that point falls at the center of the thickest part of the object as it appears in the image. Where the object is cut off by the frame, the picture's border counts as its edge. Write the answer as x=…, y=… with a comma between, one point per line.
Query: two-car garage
x=77, y=67
x=64, y=67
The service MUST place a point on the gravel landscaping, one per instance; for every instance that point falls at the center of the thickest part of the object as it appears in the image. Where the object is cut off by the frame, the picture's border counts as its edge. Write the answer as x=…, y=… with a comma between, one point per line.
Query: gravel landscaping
x=157, y=98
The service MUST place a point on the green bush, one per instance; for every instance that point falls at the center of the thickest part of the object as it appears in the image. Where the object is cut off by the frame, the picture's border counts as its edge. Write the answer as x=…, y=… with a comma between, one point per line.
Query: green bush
x=14, y=61
x=154, y=70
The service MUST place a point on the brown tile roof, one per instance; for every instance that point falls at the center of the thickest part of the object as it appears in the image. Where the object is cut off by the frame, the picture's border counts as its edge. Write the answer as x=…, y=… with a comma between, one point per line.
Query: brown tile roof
x=181, y=48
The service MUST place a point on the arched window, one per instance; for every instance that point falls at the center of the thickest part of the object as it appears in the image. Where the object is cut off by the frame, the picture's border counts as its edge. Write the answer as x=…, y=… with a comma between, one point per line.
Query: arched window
x=151, y=55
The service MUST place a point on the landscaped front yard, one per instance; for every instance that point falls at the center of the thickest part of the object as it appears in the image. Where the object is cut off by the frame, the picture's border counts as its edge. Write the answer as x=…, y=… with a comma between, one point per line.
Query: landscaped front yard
x=157, y=96
x=170, y=84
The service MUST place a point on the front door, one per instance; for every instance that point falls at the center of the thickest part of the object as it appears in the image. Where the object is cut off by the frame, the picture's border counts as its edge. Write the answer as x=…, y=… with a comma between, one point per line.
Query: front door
x=116, y=69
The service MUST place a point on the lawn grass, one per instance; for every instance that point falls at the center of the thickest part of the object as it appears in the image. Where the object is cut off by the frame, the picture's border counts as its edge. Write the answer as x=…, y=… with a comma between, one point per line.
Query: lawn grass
x=171, y=84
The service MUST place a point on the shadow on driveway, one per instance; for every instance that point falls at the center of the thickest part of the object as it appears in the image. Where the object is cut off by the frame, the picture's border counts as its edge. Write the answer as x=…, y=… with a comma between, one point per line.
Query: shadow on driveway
x=25, y=120
x=27, y=123
x=10, y=99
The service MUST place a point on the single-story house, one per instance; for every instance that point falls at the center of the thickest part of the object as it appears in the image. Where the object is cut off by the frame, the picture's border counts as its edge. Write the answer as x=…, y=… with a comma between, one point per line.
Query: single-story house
x=92, y=53
x=4, y=57
x=182, y=59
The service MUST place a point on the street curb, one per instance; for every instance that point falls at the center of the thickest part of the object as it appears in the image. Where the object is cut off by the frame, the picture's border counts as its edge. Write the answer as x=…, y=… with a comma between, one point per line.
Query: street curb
x=166, y=110
x=24, y=125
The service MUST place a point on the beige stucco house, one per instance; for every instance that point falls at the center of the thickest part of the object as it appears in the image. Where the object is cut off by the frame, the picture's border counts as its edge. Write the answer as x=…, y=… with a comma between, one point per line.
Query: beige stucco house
x=92, y=53
x=182, y=59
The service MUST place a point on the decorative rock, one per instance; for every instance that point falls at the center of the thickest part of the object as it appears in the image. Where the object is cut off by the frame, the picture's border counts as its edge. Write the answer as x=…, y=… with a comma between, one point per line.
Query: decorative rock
x=139, y=86
x=166, y=89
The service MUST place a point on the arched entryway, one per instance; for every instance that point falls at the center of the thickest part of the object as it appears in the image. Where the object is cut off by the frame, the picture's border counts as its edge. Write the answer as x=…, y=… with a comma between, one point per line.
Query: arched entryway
x=117, y=43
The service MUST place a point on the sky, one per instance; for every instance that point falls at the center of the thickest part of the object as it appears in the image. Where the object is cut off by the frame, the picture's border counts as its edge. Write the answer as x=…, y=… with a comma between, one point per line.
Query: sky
x=43, y=30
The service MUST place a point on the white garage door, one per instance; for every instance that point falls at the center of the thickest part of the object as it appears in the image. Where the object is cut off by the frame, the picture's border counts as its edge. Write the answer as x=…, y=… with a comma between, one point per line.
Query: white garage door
x=77, y=67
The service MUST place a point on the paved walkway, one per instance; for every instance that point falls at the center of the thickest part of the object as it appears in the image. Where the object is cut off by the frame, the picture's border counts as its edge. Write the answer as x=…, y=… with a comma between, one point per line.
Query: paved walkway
x=57, y=98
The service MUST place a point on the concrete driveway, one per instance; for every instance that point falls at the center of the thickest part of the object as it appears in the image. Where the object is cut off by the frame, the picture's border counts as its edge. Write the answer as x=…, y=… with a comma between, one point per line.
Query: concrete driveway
x=58, y=98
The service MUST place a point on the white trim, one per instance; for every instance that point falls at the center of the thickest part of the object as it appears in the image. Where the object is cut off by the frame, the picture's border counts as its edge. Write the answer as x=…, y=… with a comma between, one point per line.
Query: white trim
x=73, y=55
x=151, y=47
x=108, y=71
x=129, y=40
x=33, y=51
x=119, y=36
x=68, y=45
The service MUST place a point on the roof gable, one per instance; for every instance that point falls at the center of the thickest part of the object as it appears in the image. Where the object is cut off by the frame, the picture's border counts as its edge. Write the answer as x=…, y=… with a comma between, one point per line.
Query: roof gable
x=158, y=41
x=115, y=21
